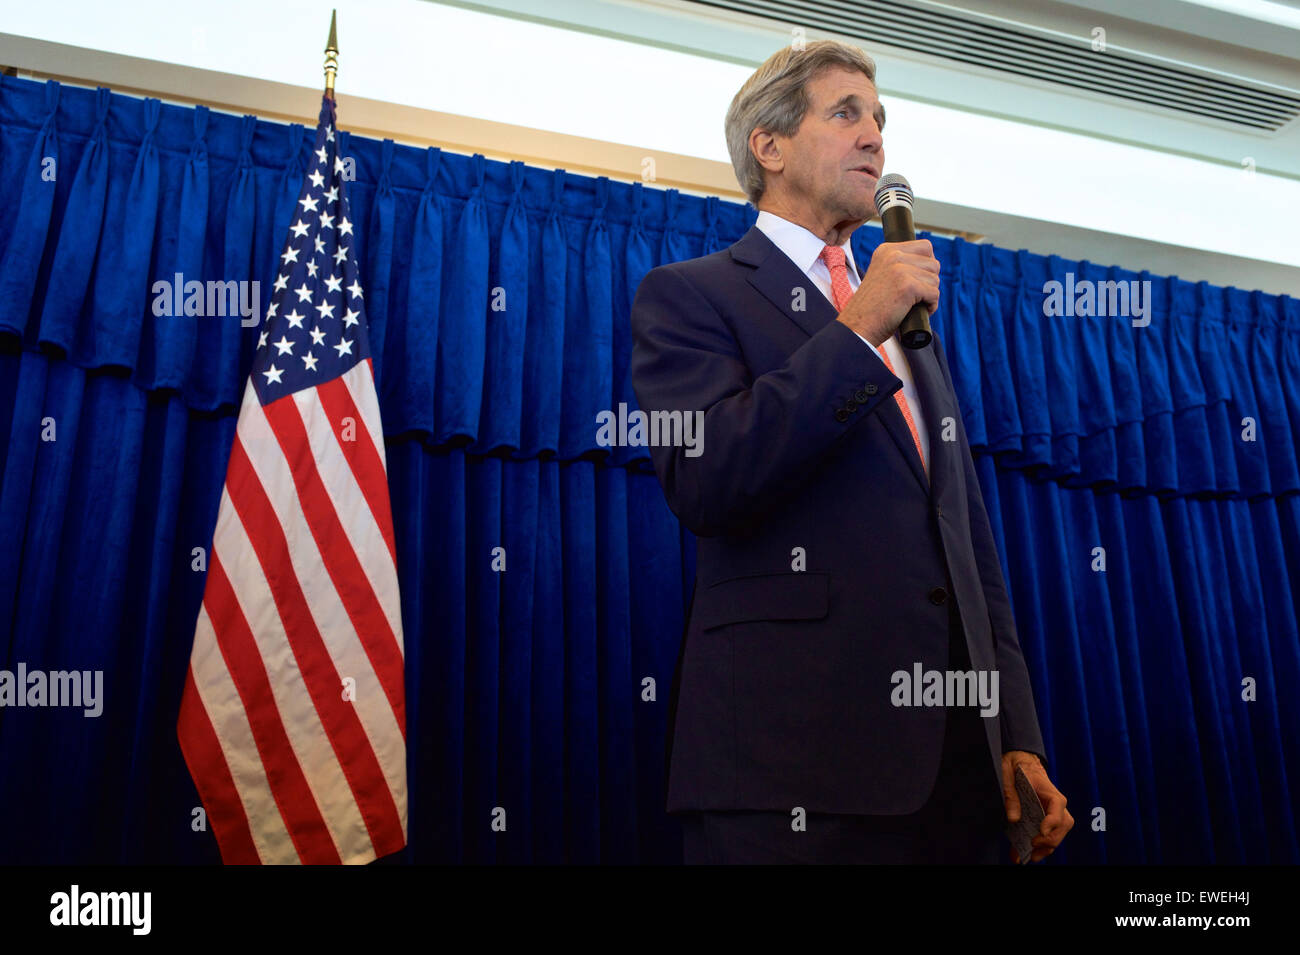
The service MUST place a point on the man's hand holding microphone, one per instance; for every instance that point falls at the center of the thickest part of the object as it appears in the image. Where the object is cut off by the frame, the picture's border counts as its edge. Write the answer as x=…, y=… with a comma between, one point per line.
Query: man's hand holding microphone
x=900, y=275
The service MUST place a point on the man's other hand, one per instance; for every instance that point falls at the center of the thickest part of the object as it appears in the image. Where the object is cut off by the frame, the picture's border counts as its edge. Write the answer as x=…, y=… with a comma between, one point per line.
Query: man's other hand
x=1057, y=820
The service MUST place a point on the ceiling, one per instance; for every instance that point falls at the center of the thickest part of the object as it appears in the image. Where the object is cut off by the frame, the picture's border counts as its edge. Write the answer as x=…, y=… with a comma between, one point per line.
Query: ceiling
x=1177, y=77
x=1145, y=73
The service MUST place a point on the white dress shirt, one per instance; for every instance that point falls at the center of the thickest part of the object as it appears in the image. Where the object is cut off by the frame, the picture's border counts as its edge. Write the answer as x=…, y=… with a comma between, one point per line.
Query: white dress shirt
x=804, y=249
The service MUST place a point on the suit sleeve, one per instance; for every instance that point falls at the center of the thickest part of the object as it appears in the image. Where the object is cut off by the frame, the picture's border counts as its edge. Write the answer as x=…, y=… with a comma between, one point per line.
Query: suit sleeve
x=763, y=436
x=1020, y=728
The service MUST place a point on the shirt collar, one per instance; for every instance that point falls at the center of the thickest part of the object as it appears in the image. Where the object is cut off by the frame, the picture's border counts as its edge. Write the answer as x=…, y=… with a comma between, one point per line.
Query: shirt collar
x=802, y=246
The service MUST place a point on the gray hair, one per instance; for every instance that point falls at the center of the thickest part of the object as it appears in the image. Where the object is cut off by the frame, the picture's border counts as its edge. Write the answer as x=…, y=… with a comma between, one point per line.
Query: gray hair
x=775, y=98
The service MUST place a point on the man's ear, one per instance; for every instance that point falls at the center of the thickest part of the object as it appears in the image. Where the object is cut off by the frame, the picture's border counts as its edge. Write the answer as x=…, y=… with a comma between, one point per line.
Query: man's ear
x=766, y=150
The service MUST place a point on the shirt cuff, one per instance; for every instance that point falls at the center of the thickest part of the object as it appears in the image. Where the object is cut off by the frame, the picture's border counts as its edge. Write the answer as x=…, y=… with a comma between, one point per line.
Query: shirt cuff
x=869, y=345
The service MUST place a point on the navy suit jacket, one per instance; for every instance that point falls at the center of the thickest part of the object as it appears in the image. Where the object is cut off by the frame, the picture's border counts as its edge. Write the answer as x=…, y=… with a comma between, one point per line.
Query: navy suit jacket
x=782, y=696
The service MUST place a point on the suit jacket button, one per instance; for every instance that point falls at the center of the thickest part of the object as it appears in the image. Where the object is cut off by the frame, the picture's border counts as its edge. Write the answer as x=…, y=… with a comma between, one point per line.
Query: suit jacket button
x=861, y=396
x=938, y=596
x=841, y=415
x=869, y=388
x=851, y=405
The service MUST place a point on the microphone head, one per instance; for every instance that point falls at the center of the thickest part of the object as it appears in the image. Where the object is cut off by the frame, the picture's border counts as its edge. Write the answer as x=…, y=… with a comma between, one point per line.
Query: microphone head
x=892, y=190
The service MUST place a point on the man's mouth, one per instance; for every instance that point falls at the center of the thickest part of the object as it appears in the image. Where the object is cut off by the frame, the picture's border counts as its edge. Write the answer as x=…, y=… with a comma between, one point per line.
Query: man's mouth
x=874, y=174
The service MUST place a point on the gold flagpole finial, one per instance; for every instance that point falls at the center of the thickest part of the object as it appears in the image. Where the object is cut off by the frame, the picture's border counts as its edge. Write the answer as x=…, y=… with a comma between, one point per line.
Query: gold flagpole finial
x=332, y=55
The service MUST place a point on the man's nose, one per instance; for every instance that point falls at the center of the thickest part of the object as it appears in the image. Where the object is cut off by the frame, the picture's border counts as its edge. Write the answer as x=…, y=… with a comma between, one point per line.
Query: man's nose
x=869, y=136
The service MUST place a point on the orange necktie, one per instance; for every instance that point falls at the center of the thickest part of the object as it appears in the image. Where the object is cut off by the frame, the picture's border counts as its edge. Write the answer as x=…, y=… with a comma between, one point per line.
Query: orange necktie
x=841, y=292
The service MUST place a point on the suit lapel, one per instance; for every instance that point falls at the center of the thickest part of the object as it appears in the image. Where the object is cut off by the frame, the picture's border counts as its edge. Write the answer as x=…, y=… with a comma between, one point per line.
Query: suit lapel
x=777, y=278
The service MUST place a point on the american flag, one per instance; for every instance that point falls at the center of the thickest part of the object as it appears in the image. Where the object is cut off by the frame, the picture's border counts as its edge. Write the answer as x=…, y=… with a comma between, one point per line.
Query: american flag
x=292, y=721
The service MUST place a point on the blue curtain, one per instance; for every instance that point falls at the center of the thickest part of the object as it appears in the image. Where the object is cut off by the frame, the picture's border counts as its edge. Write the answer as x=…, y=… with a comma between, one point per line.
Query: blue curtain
x=543, y=689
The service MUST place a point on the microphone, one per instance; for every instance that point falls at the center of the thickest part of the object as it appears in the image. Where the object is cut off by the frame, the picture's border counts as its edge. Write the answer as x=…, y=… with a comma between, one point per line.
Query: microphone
x=894, y=203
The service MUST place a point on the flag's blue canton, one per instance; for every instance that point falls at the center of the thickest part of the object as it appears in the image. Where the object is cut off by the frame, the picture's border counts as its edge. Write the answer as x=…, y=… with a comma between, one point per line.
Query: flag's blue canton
x=315, y=327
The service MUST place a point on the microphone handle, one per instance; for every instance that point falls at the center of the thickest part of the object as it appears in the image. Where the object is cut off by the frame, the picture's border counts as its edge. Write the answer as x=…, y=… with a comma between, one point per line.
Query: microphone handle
x=914, y=331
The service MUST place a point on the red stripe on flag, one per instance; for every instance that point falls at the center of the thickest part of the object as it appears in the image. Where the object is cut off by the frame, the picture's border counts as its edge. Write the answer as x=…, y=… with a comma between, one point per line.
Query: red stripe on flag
x=361, y=455
x=341, y=562
x=342, y=724
x=212, y=779
x=302, y=816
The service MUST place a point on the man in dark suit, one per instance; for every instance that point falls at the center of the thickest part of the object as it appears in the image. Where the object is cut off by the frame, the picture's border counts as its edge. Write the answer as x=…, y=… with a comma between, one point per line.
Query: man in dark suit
x=845, y=561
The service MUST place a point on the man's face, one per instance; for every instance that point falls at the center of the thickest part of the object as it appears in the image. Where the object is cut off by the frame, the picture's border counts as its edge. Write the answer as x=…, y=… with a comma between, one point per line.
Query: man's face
x=835, y=157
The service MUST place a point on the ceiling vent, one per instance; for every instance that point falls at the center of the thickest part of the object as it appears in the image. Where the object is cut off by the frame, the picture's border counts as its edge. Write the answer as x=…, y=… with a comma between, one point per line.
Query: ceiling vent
x=1025, y=51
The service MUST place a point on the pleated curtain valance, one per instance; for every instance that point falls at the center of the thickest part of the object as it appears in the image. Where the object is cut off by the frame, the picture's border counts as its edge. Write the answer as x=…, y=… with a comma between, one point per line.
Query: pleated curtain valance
x=517, y=342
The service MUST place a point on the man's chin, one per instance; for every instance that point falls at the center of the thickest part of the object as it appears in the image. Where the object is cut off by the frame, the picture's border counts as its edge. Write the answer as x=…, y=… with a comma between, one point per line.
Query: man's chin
x=854, y=209
x=865, y=210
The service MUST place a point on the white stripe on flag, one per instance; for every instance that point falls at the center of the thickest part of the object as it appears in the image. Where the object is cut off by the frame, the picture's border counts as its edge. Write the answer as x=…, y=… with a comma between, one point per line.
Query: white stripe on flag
x=360, y=382
x=301, y=722
x=220, y=700
x=336, y=629
x=353, y=509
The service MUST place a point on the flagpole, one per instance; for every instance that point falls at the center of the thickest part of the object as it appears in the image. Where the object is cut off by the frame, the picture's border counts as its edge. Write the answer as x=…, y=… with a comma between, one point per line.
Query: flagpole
x=331, y=56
